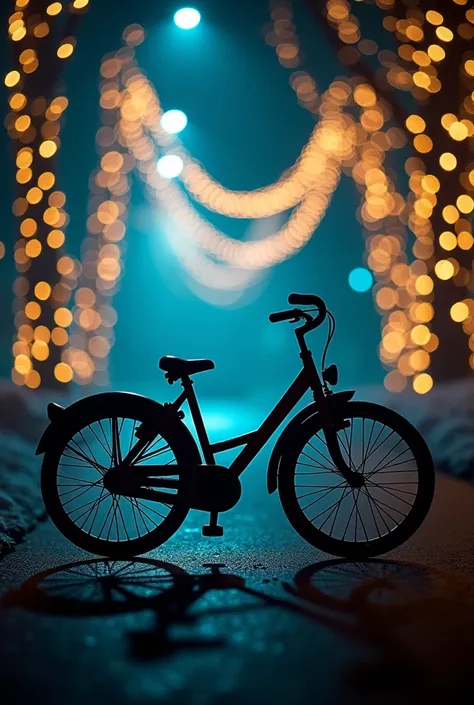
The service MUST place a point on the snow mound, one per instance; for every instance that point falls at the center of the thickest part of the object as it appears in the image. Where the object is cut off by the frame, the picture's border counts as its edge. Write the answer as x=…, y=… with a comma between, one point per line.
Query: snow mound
x=21, y=505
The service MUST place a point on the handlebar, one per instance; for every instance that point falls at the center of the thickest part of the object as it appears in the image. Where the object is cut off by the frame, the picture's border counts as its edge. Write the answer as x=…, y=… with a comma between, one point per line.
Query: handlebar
x=307, y=300
x=297, y=314
x=292, y=315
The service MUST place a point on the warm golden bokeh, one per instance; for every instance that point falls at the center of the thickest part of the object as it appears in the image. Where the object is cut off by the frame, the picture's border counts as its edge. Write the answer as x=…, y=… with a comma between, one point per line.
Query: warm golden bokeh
x=63, y=317
x=353, y=134
x=47, y=148
x=448, y=161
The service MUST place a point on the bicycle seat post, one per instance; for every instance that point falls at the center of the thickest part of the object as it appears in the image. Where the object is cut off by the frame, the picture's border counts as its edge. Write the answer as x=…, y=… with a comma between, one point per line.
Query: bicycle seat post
x=213, y=528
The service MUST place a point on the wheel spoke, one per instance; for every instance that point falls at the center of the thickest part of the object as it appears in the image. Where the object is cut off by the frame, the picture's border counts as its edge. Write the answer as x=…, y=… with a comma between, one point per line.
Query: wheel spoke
x=96, y=506
x=349, y=519
x=90, y=452
x=96, y=511
x=95, y=502
x=100, y=442
x=153, y=454
x=338, y=508
x=81, y=493
x=379, y=503
x=105, y=438
x=400, y=499
x=375, y=449
x=376, y=469
x=318, y=499
x=328, y=460
x=91, y=463
x=315, y=464
x=123, y=521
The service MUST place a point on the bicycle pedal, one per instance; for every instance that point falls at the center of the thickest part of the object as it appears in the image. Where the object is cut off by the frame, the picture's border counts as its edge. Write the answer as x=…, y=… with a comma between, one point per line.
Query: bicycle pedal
x=213, y=530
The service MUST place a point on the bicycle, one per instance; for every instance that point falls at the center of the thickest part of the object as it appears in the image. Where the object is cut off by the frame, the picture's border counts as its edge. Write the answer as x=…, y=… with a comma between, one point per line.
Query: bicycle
x=355, y=479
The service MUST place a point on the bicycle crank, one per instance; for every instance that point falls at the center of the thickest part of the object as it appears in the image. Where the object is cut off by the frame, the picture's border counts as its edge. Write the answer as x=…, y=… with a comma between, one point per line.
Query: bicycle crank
x=210, y=488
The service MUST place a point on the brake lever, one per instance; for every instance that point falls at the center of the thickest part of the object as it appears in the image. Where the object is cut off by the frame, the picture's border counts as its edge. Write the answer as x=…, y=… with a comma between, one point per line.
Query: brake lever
x=301, y=314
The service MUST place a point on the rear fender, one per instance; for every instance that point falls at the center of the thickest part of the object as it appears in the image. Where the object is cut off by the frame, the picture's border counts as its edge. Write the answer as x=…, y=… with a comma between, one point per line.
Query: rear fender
x=62, y=418
x=339, y=399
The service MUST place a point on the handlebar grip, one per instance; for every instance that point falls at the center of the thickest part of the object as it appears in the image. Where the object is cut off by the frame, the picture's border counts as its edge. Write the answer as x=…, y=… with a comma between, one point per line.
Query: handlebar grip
x=307, y=300
x=281, y=316
x=311, y=300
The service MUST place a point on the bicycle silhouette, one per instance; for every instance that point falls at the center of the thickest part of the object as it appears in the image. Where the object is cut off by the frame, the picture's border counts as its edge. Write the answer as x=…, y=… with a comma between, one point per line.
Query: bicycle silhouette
x=355, y=479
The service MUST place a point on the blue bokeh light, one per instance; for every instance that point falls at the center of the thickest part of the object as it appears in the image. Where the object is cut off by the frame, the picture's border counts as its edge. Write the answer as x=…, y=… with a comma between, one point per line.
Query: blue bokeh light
x=173, y=121
x=187, y=18
x=360, y=279
x=169, y=166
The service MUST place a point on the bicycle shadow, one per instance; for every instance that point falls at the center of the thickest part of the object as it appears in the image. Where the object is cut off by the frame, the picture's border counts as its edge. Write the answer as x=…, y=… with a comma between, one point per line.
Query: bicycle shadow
x=419, y=621
x=393, y=607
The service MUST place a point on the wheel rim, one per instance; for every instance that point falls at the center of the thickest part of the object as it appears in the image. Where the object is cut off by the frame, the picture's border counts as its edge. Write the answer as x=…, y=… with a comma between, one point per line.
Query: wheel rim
x=85, y=459
x=358, y=515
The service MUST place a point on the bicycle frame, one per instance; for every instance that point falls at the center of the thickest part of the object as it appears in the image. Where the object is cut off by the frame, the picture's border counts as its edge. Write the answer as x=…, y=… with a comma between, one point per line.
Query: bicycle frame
x=254, y=441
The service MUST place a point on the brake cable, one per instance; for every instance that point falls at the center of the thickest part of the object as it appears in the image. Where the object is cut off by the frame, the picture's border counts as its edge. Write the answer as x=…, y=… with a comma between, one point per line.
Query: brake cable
x=331, y=332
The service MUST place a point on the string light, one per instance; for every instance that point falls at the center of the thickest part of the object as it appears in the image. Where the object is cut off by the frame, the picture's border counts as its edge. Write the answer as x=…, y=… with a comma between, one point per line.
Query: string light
x=353, y=134
x=41, y=289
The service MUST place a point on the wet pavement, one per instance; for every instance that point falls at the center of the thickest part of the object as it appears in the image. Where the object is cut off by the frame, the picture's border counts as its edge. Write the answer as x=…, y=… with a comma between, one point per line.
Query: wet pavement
x=257, y=616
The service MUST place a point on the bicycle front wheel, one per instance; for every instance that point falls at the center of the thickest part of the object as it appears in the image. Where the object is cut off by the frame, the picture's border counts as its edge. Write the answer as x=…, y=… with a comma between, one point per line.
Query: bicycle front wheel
x=391, y=504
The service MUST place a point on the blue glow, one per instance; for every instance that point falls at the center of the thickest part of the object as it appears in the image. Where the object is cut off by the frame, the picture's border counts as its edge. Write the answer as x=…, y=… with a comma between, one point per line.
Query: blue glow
x=360, y=279
x=187, y=18
x=173, y=121
x=169, y=166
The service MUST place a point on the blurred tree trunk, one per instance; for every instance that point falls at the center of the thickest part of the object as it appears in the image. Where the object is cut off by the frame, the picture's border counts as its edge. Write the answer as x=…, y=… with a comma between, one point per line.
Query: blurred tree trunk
x=44, y=34
x=451, y=359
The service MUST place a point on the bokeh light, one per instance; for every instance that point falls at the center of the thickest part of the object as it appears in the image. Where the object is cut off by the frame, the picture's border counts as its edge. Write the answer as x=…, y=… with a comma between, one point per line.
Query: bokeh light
x=170, y=166
x=360, y=279
x=187, y=18
x=173, y=121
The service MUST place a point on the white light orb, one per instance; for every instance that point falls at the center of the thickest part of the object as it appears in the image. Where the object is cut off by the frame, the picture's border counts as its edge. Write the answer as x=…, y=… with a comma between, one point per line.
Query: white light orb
x=173, y=121
x=170, y=166
x=187, y=18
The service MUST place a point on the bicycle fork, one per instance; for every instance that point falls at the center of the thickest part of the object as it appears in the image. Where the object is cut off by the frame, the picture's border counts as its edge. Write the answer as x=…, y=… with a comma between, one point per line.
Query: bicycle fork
x=332, y=422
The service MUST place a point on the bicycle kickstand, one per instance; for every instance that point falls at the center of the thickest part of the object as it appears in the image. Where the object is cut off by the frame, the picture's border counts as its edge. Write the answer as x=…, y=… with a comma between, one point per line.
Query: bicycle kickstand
x=213, y=528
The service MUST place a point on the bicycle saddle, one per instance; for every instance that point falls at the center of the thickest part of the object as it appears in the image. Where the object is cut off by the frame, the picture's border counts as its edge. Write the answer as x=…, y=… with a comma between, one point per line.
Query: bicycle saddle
x=178, y=367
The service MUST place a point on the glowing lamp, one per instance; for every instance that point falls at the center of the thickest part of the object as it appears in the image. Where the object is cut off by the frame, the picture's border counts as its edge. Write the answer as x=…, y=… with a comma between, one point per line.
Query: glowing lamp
x=187, y=18
x=169, y=166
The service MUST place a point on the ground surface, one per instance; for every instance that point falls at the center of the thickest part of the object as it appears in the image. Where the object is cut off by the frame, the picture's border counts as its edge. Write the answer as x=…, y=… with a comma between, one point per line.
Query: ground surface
x=286, y=626
x=278, y=622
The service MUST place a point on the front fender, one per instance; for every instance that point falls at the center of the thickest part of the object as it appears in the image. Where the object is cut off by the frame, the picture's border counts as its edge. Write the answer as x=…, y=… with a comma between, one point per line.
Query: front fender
x=61, y=418
x=338, y=399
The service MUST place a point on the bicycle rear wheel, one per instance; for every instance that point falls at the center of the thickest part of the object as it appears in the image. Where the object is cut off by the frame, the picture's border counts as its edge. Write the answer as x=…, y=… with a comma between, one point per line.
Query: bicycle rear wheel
x=73, y=490
x=385, y=511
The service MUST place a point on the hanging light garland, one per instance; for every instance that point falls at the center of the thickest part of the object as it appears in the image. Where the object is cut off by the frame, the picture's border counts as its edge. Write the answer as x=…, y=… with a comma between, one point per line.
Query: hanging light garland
x=131, y=136
x=353, y=135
